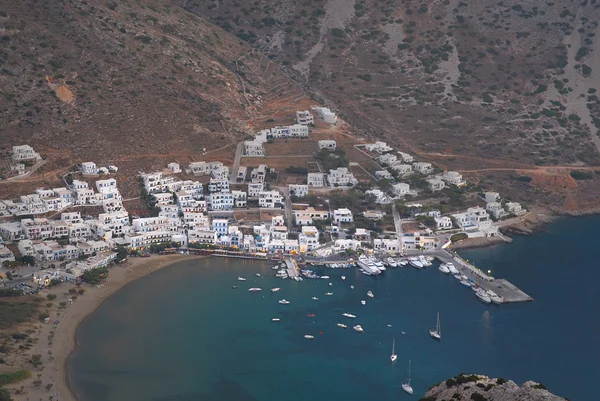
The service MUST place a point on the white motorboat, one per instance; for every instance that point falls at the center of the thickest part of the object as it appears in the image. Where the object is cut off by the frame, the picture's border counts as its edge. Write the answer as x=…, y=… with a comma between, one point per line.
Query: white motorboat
x=378, y=265
x=315, y=298
x=424, y=260
x=352, y=287
x=444, y=268
x=365, y=272
x=495, y=297
x=483, y=296
x=466, y=283
x=437, y=333
x=406, y=386
x=393, y=357
x=309, y=336
x=275, y=289
x=329, y=294
x=276, y=267
x=241, y=279
x=254, y=289
x=284, y=301
x=358, y=328
x=350, y=315
x=257, y=274
x=330, y=283
x=325, y=277
x=235, y=287
x=415, y=262
x=370, y=294
x=343, y=326
x=391, y=262
x=343, y=277
x=403, y=262
x=367, y=265
x=276, y=319
x=363, y=302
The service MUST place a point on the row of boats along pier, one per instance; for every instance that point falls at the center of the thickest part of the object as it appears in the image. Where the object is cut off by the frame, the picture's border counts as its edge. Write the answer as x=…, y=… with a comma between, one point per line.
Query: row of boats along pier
x=485, y=287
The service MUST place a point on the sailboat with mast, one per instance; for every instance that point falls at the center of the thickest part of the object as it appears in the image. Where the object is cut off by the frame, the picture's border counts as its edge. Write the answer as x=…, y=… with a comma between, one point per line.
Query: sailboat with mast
x=406, y=386
x=393, y=357
x=437, y=333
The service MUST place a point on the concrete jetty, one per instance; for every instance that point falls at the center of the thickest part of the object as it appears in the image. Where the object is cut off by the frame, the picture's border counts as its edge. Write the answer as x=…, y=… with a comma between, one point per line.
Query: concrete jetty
x=504, y=288
x=292, y=268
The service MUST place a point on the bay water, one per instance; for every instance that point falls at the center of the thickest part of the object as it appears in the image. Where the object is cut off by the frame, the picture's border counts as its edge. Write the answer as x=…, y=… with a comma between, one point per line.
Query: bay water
x=183, y=333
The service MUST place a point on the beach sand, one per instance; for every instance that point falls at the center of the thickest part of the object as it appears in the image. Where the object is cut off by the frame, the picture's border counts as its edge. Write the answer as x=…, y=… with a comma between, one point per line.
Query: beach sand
x=57, y=342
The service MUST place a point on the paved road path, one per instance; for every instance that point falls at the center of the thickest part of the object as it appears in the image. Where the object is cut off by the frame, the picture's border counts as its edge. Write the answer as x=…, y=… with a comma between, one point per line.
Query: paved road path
x=27, y=174
x=236, y=160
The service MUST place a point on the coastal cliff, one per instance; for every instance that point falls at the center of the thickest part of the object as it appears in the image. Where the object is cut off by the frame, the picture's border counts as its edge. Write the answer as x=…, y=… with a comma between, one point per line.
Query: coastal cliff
x=483, y=388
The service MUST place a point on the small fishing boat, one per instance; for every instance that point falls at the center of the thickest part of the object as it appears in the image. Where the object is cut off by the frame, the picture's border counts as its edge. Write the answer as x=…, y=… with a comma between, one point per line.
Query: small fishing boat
x=330, y=283
x=276, y=319
x=309, y=336
x=495, y=297
x=315, y=298
x=393, y=357
x=358, y=328
x=325, y=277
x=444, y=268
x=275, y=289
x=241, y=279
x=254, y=289
x=235, y=287
x=350, y=315
x=329, y=294
x=370, y=294
x=343, y=277
x=257, y=274
x=363, y=302
x=352, y=287
x=483, y=296
x=284, y=301
x=343, y=326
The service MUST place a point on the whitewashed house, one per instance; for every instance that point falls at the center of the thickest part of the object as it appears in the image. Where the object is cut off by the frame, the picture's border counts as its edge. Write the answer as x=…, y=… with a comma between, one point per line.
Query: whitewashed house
x=423, y=168
x=163, y=198
x=254, y=188
x=400, y=189
x=453, y=178
x=379, y=147
x=495, y=209
x=388, y=158
x=405, y=157
x=218, y=185
x=341, y=176
x=254, y=148
x=316, y=180
x=24, y=153
x=202, y=236
x=174, y=168
x=89, y=168
x=220, y=226
x=304, y=117
x=492, y=197
x=241, y=174
x=342, y=215
x=379, y=195
x=515, y=208
x=239, y=198
x=388, y=245
x=383, y=174
x=435, y=184
x=298, y=190
x=220, y=201
x=259, y=173
x=325, y=114
x=443, y=223
x=402, y=168
x=38, y=228
x=473, y=218
x=270, y=199
x=328, y=144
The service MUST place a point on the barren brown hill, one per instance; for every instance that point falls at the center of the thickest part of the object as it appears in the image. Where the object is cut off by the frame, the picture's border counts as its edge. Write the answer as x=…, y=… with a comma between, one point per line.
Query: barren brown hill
x=466, y=84
x=130, y=80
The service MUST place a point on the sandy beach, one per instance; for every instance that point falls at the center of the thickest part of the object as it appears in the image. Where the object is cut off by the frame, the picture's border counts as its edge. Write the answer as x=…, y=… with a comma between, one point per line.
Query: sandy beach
x=55, y=343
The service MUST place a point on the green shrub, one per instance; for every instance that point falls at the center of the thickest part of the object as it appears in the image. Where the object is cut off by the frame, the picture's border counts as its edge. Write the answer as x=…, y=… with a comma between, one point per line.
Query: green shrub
x=456, y=238
x=582, y=175
x=14, y=377
x=478, y=397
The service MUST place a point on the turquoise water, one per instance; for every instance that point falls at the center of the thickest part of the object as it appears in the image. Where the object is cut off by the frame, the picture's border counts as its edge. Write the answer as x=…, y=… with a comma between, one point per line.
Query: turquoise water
x=183, y=333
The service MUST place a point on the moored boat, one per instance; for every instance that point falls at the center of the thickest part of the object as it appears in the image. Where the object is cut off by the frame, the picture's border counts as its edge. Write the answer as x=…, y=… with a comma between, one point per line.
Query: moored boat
x=358, y=328
x=495, y=297
x=437, y=333
x=284, y=301
x=275, y=289
x=415, y=262
x=254, y=289
x=241, y=279
x=370, y=294
x=329, y=294
x=343, y=326
x=310, y=337
x=444, y=268
x=349, y=315
x=315, y=298
x=391, y=262
x=483, y=296
x=363, y=302
x=406, y=386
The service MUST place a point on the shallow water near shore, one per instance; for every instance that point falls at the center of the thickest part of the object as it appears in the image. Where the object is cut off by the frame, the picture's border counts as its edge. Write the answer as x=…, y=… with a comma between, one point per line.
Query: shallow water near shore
x=183, y=333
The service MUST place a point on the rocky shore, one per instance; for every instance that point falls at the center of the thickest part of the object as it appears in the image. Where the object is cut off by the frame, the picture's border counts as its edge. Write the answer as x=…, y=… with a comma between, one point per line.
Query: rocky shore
x=483, y=388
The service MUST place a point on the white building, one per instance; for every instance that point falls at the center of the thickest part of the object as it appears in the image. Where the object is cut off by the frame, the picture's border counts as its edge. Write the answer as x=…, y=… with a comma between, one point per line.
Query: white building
x=6, y=255
x=388, y=245
x=156, y=182
x=495, y=209
x=492, y=197
x=174, y=168
x=325, y=114
x=304, y=117
x=254, y=148
x=241, y=174
x=379, y=147
x=443, y=223
x=379, y=195
x=423, y=168
x=405, y=157
x=259, y=173
x=239, y=198
x=12, y=231
x=473, y=218
x=220, y=226
x=342, y=215
x=220, y=201
x=270, y=199
x=515, y=208
x=254, y=188
x=388, y=158
x=163, y=198
x=89, y=168
x=298, y=190
x=328, y=144
x=291, y=131
x=341, y=176
x=453, y=178
x=218, y=185
x=202, y=236
x=39, y=228
x=316, y=180
x=400, y=189
x=402, y=168
x=435, y=184
x=374, y=214
x=383, y=174
x=306, y=216
x=23, y=153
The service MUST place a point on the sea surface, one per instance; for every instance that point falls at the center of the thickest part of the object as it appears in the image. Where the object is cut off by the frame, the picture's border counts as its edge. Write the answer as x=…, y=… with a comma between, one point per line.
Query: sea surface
x=183, y=333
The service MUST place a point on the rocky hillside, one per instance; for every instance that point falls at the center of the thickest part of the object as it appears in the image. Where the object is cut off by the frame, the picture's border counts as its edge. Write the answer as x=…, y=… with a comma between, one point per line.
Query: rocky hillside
x=482, y=388
x=482, y=86
x=102, y=80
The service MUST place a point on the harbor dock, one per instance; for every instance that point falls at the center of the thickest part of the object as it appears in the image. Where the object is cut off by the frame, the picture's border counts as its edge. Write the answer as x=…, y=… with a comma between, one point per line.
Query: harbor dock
x=292, y=268
x=502, y=287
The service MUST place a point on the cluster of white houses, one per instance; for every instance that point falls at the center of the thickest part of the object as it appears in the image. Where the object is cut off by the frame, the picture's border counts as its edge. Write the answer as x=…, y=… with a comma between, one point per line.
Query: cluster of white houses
x=21, y=155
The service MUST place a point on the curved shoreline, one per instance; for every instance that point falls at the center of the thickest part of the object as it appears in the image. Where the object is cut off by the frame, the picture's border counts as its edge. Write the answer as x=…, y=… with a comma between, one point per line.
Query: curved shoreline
x=66, y=341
